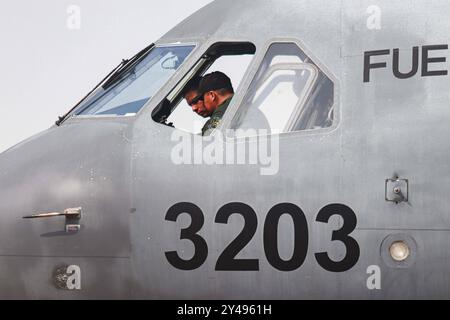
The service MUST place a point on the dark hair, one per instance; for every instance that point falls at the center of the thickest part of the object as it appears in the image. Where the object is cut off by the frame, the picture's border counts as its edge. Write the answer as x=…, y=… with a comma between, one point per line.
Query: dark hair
x=192, y=85
x=216, y=81
x=225, y=91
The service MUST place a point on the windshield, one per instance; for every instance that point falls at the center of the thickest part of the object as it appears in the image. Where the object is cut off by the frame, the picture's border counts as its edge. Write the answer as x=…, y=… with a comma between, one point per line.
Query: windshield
x=130, y=92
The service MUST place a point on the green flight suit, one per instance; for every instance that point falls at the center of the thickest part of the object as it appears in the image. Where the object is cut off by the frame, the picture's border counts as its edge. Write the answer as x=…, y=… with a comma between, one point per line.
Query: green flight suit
x=216, y=117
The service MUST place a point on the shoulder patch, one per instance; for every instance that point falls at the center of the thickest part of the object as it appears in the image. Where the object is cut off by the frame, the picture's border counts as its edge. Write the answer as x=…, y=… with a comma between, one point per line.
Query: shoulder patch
x=214, y=123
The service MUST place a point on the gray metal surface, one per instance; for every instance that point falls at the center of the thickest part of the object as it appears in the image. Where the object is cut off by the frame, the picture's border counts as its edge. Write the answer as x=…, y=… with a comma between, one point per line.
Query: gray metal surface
x=120, y=171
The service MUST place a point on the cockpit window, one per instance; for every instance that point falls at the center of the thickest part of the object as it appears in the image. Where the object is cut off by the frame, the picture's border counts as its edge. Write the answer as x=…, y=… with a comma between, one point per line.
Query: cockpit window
x=234, y=66
x=131, y=91
x=186, y=109
x=289, y=93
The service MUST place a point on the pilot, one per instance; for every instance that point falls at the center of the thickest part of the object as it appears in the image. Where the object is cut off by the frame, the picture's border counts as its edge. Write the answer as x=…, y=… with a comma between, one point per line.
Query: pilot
x=216, y=90
x=192, y=97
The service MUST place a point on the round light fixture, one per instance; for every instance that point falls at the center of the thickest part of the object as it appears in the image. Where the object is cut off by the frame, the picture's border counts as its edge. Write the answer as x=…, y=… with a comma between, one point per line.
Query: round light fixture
x=399, y=251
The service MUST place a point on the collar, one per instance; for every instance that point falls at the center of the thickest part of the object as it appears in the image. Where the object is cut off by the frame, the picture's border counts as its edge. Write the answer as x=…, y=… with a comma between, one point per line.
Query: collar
x=223, y=107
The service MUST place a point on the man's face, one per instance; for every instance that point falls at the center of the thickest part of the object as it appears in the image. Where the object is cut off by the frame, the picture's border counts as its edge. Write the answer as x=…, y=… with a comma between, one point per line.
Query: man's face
x=197, y=106
x=210, y=102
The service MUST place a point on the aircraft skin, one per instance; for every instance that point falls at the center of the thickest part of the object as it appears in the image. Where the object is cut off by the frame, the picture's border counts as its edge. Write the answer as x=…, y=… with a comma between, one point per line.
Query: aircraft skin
x=119, y=171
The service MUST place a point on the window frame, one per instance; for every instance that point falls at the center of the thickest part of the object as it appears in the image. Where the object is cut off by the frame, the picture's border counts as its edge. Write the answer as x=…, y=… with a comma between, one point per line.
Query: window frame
x=306, y=92
x=249, y=77
x=73, y=116
x=196, y=66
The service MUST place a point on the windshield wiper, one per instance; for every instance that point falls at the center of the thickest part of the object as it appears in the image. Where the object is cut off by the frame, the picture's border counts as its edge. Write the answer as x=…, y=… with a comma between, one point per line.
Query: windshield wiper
x=111, y=78
x=129, y=64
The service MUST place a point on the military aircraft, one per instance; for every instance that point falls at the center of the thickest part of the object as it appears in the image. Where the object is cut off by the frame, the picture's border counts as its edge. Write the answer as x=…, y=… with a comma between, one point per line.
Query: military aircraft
x=350, y=96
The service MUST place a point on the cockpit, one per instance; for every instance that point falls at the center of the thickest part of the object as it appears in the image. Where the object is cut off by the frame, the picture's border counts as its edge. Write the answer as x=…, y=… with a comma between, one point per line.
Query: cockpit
x=288, y=91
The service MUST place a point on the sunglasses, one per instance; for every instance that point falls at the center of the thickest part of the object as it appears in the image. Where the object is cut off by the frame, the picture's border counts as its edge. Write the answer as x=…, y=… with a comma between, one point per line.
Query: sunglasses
x=196, y=100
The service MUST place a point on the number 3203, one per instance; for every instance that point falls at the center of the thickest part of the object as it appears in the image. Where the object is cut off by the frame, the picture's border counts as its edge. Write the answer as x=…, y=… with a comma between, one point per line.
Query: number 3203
x=227, y=260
